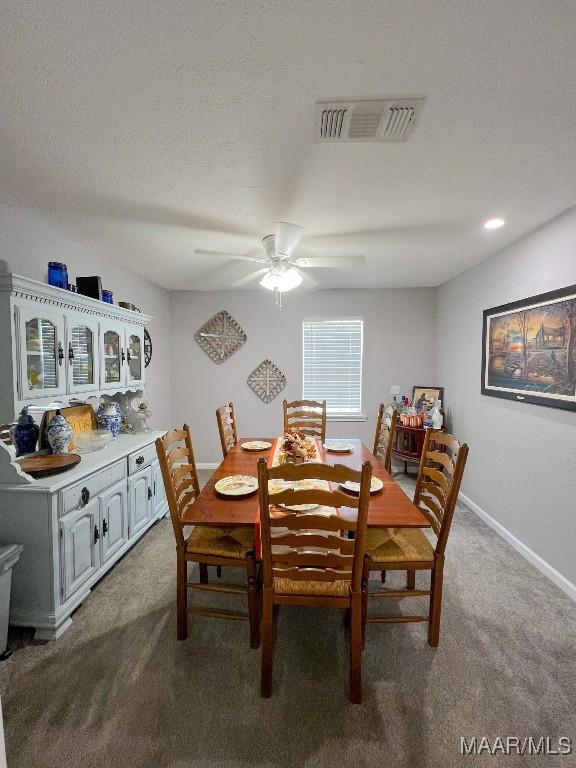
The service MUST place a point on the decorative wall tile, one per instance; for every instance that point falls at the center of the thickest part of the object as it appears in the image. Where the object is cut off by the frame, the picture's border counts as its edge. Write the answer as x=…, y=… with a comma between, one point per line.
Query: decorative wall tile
x=266, y=381
x=220, y=337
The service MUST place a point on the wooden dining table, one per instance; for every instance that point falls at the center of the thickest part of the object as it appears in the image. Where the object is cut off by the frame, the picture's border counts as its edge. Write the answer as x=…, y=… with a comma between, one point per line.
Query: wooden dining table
x=389, y=508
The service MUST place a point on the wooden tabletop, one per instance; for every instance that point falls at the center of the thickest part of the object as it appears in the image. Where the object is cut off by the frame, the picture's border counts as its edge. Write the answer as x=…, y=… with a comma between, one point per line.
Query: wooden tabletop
x=389, y=509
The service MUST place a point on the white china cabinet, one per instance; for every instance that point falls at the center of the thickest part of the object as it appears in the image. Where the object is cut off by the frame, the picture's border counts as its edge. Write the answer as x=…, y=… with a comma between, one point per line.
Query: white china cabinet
x=63, y=346
x=57, y=346
x=76, y=525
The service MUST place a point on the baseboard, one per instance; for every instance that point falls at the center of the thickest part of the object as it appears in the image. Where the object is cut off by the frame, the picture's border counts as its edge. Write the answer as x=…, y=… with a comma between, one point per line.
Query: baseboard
x=545, y=568
x=206, y=465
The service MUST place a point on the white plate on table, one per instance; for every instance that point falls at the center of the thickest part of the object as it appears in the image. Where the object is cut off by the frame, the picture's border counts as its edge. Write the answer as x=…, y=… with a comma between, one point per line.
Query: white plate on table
x=237, y=486
x=256, y=445
x=375, y=486
x=339, y=446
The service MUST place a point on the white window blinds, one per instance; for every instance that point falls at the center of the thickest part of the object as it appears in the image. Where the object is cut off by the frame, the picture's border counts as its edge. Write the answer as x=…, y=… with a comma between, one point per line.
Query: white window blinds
x=333, y=364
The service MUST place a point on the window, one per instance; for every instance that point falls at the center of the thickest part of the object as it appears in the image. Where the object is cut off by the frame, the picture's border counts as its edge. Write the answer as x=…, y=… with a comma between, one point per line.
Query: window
x=333, y=364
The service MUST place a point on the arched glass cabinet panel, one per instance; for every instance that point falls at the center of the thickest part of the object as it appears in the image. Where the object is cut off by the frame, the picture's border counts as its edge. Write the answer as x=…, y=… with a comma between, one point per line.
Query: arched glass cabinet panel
x=112, y=357
x=82, y=355
x=42, y=356
x=134, y=358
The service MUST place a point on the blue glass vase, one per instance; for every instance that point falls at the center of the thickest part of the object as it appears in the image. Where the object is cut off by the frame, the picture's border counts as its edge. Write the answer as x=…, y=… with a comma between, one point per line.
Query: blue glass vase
x=57, y=274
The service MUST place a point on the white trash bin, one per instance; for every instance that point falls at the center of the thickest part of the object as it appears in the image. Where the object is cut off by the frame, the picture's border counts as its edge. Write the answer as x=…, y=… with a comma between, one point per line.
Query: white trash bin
x=9, y=555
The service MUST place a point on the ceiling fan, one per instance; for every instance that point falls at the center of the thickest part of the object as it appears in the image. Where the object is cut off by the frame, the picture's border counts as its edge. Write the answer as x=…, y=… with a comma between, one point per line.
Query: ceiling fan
x=283, y=269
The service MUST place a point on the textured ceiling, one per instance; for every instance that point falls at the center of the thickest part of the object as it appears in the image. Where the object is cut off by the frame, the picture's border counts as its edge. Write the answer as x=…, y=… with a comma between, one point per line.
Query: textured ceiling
x=150, y=129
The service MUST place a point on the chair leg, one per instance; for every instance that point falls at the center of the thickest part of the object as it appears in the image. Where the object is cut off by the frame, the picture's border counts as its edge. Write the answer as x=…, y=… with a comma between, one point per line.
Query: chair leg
x=253, y=607
x=410, y=579
x=203, y=568
x=267, y=644
x=436, y=578
x=364, y=615
x=365, y=577
x=383, y=576
x=218, y=571
x=356, y=649
x=181, y=597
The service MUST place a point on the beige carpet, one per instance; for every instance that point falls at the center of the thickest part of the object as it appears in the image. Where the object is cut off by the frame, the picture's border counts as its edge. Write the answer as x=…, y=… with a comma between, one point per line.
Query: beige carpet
x=118, y=690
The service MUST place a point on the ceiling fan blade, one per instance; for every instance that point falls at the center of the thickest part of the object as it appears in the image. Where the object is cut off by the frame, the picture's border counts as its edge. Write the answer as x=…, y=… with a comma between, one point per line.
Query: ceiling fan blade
x=288, y=237
x=241, y=257
x=337, y=262
x=250, y=278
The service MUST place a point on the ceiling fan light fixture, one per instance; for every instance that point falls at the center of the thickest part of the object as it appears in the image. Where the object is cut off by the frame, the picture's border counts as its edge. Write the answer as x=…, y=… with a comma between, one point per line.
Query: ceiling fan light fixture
x=282, y=279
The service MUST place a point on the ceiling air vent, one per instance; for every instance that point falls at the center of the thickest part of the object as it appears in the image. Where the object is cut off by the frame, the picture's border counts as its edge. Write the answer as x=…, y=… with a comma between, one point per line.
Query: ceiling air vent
x=381, y=120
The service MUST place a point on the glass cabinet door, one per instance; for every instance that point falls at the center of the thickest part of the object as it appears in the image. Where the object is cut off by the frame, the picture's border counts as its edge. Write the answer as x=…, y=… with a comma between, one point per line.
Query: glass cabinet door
x=112, y=357
x=42, y=357
x=134, y=357
x=82, y=355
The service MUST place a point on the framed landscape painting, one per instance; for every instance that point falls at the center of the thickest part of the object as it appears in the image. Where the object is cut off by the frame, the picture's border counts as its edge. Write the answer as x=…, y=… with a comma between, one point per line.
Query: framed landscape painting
x=529, y=350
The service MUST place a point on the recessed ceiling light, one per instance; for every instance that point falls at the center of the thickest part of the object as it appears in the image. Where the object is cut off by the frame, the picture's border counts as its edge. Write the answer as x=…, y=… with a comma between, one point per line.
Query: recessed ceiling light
x=494, y=224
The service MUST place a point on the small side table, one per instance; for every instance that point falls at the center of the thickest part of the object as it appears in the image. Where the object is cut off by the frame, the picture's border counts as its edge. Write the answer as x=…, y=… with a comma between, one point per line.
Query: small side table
x=408, y=444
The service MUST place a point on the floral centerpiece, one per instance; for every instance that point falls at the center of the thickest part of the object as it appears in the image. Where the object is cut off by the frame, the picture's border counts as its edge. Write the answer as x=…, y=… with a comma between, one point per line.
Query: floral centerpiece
x=296, y=448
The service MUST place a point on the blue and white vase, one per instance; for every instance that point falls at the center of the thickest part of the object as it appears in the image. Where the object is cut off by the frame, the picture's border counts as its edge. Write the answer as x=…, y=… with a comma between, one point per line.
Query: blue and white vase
x=109, y=417
x=59, y=434
x=24, y=434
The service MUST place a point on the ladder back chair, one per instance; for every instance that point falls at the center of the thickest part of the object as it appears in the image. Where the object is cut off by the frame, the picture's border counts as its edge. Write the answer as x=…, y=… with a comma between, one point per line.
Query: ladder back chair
x=205, y=545
x=307, y=416
x=226, y=427
x=307, y=558
x=384, y=437
x=408, y=549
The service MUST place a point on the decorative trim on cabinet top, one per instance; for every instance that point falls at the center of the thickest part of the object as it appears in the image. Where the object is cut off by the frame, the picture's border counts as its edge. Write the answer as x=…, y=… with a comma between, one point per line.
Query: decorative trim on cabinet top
x=42, y=293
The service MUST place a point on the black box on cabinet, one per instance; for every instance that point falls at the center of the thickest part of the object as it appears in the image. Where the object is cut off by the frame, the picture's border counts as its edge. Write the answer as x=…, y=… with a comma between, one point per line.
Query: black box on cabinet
x=90, y=286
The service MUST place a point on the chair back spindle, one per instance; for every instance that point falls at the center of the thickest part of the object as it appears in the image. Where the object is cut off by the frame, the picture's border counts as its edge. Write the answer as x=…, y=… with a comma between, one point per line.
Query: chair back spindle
x=312, y=546
x=439, y=478
x=384, y=436
x=176, y=457
x=307, y=416
x=226, y=427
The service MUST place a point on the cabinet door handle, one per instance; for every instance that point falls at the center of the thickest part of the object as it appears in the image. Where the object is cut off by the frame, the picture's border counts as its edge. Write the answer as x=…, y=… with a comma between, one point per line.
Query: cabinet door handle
x=122, y=355
x=154, y=487
x=149, y=493
x=70, y=351
x=60, y=354
x=128, y=355
x=96, y=534
x=104, y=527
x=140, y=460
x=85, y=495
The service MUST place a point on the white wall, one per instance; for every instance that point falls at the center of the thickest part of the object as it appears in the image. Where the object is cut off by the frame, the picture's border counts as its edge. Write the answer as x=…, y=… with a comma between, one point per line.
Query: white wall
x=28, y=243
x=399, y=348
x=522, y=463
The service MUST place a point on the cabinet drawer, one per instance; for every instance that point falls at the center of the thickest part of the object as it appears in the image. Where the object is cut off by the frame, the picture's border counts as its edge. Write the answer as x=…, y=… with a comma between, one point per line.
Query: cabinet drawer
x=140, y=459
x=72, y=497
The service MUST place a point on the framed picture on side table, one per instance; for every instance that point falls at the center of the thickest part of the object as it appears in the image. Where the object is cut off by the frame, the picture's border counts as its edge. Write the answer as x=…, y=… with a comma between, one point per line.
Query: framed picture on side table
x=424, y=396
